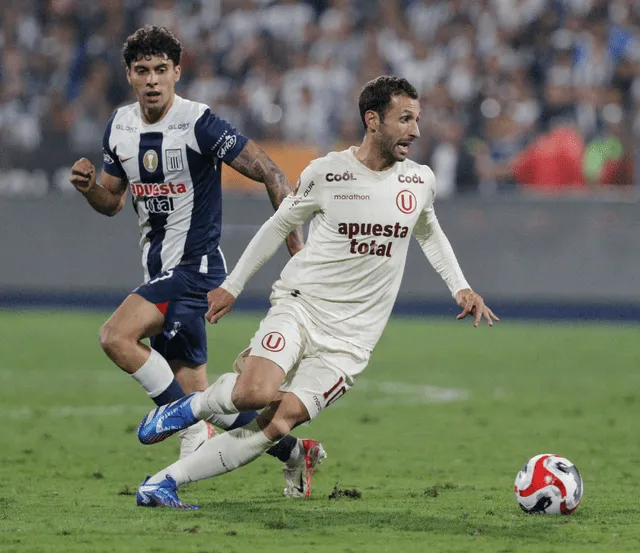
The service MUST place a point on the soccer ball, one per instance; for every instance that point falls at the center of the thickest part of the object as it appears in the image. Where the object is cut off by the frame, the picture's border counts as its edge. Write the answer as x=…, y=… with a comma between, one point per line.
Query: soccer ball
x=548, y=484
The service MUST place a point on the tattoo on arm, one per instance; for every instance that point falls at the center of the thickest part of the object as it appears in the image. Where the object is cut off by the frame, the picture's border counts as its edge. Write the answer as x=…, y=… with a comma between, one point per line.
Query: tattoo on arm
x=255, y=164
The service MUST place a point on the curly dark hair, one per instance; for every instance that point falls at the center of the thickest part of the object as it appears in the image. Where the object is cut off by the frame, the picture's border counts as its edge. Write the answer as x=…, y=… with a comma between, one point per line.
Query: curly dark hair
x=376, y=94
x=151, y=41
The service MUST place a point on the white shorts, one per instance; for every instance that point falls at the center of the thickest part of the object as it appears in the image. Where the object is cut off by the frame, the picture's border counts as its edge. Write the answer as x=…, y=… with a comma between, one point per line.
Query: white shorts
x=319, y=368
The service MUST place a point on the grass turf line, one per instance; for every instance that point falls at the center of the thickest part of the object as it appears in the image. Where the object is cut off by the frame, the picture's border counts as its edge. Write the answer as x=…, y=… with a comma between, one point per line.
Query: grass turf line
x=433, y=476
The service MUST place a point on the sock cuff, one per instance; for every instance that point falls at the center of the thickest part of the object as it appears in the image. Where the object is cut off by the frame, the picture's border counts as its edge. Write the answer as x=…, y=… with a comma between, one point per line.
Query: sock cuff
x=155, y=376
x=253, y=434
x=217, y=398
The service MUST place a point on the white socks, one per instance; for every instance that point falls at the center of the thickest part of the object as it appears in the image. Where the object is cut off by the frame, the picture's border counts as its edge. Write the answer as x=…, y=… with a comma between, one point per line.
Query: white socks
x=155, y=376
x=216, y=399
x=223, y=453
x=222, y=421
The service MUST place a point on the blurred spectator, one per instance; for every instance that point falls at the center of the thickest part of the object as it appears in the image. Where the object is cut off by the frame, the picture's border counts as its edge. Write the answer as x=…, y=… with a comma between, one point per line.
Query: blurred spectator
x=453, y=163
x=503, y=83
x=609, y=156
x=552, y=164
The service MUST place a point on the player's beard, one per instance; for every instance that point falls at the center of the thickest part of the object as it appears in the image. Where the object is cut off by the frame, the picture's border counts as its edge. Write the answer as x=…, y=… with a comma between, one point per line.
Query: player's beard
x=388, y=146
x=390, y=150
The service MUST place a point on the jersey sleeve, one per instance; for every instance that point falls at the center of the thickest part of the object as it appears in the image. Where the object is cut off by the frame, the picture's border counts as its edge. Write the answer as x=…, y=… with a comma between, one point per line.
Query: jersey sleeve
x=294, y=210
x=217, y=138
x=110, y=162
x=436, y=245
x=304, y=201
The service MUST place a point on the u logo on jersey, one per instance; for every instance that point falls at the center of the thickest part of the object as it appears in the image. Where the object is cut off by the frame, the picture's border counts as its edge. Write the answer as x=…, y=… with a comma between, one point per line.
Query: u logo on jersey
x=150, y=161
x=406, y=201
x=274, y=341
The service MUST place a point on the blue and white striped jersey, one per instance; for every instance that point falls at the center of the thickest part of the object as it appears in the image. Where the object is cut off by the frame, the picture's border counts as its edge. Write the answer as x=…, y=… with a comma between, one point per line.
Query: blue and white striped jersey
x=174, y=170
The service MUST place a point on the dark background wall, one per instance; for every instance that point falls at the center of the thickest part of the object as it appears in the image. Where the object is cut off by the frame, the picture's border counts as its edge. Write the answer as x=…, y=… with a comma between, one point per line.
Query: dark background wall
x=514, y=251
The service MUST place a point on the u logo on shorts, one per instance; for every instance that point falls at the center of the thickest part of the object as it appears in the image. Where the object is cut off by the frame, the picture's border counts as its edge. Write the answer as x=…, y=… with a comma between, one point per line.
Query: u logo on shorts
x=274, y=341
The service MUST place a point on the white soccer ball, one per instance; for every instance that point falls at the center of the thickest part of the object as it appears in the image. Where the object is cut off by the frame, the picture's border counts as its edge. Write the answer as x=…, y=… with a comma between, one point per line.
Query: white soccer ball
x=548, y=484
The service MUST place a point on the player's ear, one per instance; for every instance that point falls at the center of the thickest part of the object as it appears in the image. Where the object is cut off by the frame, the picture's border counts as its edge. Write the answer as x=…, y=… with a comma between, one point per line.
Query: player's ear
x=372, y=119
x=129, y=75
x=178, y=72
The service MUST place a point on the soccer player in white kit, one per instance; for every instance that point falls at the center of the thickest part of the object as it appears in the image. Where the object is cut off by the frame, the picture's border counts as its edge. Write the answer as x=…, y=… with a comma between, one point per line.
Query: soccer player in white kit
x=333, y=298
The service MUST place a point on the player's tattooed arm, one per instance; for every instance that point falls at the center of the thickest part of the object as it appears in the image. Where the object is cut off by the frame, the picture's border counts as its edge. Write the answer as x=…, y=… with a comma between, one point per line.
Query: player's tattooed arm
x=254, y=163
x=108, y=197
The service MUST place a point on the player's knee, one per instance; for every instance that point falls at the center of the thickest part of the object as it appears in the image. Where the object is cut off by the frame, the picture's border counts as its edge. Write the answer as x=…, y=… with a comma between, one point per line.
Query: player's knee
x=111, y=340
x=253, y=393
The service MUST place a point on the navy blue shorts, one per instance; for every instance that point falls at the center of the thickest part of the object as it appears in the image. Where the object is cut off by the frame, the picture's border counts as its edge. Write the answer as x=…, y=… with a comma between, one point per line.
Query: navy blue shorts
x=181, y=295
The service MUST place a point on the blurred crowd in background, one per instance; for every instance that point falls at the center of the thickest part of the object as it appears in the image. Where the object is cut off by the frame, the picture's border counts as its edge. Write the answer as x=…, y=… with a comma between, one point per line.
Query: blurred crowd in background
x=516, y=94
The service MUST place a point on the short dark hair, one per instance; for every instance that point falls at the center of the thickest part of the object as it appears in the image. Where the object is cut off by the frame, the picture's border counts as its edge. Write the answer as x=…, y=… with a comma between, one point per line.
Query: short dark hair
x=151, y=41
x=376, y=94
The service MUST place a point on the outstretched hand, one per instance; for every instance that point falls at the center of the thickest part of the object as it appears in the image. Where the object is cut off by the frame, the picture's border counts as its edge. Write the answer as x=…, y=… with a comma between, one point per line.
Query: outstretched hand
x=473, y=304
x=220, y=303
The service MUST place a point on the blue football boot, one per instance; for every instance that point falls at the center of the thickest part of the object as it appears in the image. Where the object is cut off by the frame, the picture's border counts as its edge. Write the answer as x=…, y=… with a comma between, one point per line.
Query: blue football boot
x=166, y=420
x=162, y=494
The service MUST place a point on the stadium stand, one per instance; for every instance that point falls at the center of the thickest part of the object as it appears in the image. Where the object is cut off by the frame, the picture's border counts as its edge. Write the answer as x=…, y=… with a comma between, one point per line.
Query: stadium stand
x=517, y=95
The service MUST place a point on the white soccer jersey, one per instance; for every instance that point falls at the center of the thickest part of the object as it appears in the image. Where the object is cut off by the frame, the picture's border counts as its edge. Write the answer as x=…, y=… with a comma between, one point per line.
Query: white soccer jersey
x=349, y=272
x=173, y=168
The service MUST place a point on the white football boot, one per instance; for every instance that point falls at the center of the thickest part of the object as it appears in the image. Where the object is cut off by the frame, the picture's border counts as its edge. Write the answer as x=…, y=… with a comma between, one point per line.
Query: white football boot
x=193, y=437
x=298, y=474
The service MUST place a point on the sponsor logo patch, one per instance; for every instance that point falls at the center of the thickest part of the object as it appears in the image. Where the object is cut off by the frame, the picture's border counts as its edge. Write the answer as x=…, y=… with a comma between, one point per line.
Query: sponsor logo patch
x=351, y=197
x=107, y=158
x=337, y=177
x=227, y=145
x=158, y=189
x=160, y=206
x=407, y=179
x=370, y=237
x=126, y=128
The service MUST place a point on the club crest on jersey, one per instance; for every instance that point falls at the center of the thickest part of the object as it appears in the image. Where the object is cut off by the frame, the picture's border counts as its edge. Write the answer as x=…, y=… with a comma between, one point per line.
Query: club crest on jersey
x=274, y=341
x=150, y=161
x=173, y=160
x=406, y=201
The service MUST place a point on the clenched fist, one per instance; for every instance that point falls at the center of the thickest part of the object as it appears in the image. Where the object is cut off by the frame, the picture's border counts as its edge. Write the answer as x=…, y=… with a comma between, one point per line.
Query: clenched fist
x=83, y=175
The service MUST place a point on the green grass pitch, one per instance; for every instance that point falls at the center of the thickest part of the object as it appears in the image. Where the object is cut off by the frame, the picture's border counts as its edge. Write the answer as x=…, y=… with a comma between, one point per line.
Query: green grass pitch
x=432, y=436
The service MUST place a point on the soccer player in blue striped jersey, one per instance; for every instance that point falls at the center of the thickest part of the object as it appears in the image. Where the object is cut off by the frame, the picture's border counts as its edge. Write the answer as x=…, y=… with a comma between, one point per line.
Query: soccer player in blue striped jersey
x=168, y=152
